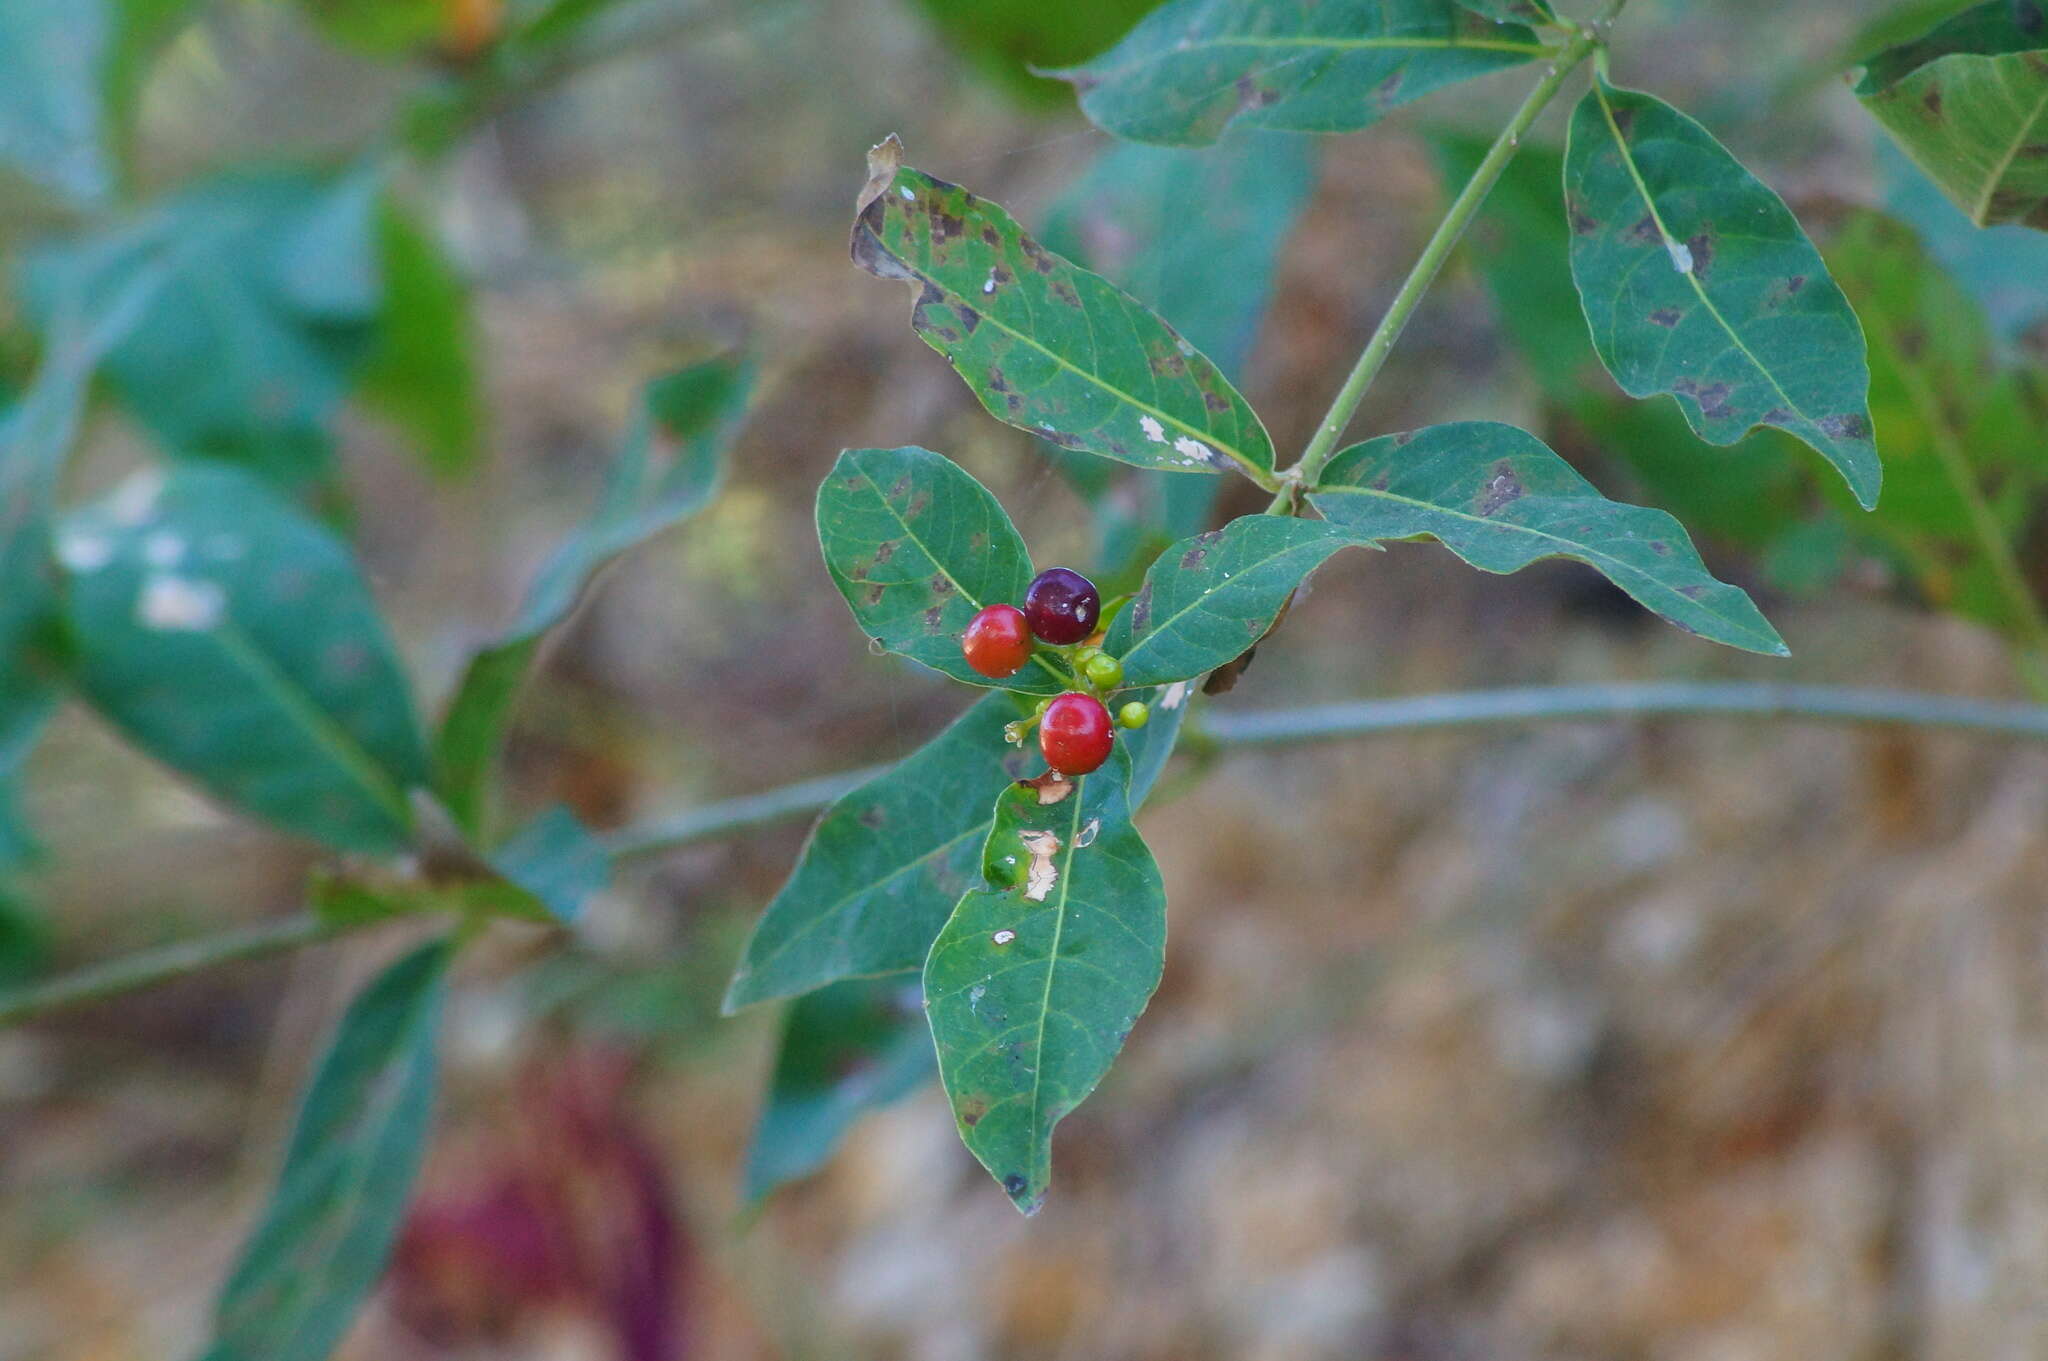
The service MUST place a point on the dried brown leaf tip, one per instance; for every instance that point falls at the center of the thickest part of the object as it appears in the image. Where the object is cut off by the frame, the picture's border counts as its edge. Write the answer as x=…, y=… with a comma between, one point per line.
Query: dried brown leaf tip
x=885, y=158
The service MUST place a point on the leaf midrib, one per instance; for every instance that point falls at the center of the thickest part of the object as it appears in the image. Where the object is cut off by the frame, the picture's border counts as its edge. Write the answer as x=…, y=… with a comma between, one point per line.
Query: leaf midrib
x=1153, y=634
x=1052, y=964
x=1388, y=42
x=1998, y=172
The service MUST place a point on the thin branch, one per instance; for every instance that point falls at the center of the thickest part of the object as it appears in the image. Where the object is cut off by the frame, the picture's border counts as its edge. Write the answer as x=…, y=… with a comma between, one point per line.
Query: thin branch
x=1446, y=237
x=1225, y=731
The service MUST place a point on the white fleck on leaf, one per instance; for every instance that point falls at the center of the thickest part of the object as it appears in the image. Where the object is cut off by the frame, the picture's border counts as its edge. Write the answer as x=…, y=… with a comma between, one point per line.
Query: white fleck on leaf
x=85, y=552
x=1043, y=874
x=175, y=604
x=135, y=500
x=163, y=549
x=1004, y=936
x=1086, y=836
x=1154, y=431
x=1174, y=696
x=1681, y=256
x=1194, y=450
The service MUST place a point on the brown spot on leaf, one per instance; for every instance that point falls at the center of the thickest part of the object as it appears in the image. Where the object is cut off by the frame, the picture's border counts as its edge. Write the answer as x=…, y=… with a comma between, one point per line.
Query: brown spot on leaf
x=941, y=584
x=1624, y=121
x=935, y=619
x=1193, y=557
x=1215, y=401
x=1583, y=222
x=1660, y=548
x=1388, y=92
x=1250, y=95
x=1712, y=397
x=971, y=1109
x=1040, y=258
x=872, y=816
x=874, y=595
x=1852, y=426
x=1666, y=317
x=1064, y=291
x=1693, y=592
x=1931, y=101
x=1702, y=248
x=1777, y=415
x=1404, y=439
x=884, y=551
x=1501, y=489
x=1645, y=230
x=1141, y=608
x=990, y=237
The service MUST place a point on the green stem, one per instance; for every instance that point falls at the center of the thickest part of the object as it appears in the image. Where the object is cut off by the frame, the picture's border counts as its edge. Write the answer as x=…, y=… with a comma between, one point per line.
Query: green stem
x=1222, y=732
x=1446, y=237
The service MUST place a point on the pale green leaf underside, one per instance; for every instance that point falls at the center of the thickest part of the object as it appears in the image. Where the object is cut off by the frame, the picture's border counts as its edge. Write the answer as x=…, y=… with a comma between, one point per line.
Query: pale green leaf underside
x=1209, y=598
x=1698, y=281
x=1044, y=344
x=1193, y=67
x=1969, y=103
x=1031, y=998
x=1500, y=499
x=917, y=547
x=234, y=639
x=354, y=1153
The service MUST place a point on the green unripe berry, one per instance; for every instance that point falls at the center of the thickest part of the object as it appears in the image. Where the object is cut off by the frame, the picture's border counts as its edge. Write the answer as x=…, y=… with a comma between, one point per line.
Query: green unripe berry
x=1104, y=672
x=1133, y=715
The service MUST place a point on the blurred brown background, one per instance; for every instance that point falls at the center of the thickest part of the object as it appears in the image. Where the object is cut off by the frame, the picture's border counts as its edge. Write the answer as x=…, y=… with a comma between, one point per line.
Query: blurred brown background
x=1693, y=1042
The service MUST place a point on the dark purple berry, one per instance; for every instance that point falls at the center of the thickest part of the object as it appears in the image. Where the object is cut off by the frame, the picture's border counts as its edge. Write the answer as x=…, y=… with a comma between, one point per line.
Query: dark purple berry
x=1061, y=605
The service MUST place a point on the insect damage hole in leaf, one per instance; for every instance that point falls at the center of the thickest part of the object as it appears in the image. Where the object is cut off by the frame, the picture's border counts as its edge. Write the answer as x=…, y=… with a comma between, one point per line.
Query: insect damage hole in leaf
x=1045, y=345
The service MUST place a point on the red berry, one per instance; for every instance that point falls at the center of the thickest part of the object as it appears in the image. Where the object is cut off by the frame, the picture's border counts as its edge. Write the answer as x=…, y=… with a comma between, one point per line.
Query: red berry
x=1075, y=734
x=997, y=642
x=1062, y=605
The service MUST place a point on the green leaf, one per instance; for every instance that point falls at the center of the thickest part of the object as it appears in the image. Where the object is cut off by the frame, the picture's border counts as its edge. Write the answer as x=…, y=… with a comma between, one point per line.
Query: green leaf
x=24, y=710
x=1749, y=493
x=1009, y=40
x=2006, y=268
x=1191, y=68
x=1499, y=499
x=666, y=471
x=1045, y=345
x=556, y=863
x=1958, y=430
x=234, y=639
x=1968, y=102
x=1195, y=235
x=354, y=1154
x=1697, y=281
x=254, y=338
x=884, y=866
x=25, y=944
x=1209, y=598
x=846, y=1050
x=918, y=547
x=420, y=374
x=1032, y=987
x=379, y=28
x=70, y=74
x=1513, y=11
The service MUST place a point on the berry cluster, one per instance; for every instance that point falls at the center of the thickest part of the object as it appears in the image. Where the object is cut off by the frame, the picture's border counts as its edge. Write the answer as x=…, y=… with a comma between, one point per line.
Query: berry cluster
x=1062, y=609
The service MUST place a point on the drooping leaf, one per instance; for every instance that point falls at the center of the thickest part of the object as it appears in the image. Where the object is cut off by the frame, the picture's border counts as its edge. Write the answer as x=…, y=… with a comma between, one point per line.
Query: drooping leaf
x=1698, y=281
x=266, y=313
x=667, y=469
x=1209, y=598
x=69, y=77
x=917, y=547
x=1968, y=101
x=234, y=639
x=1045, y=345
x=1032, y=987
x=1500, y=499
x=2005, y=268
x=354, y=1153
x=1962, y=435
x=1196, y=236
x=1010, y=40
x=1193, y=67
x=1749, y=493
x=420, y=374
x=884, y=867
x=846, y=1050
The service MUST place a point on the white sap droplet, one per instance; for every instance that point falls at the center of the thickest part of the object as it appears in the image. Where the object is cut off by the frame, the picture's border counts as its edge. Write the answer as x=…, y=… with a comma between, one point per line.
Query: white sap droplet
x=974, y=996
x=1186, y=348
x=1175, y=695
x=989, y=284
x=1154, y=431
x=907, y=192
x=1004, y=936
x=1086, y=836
x=1681, y=256
x=174, y=604
x=163, y=549
x=85, y=552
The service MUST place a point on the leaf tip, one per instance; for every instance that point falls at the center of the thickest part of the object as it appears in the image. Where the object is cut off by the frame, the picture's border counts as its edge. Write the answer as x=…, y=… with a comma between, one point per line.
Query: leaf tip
x=885, y=158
